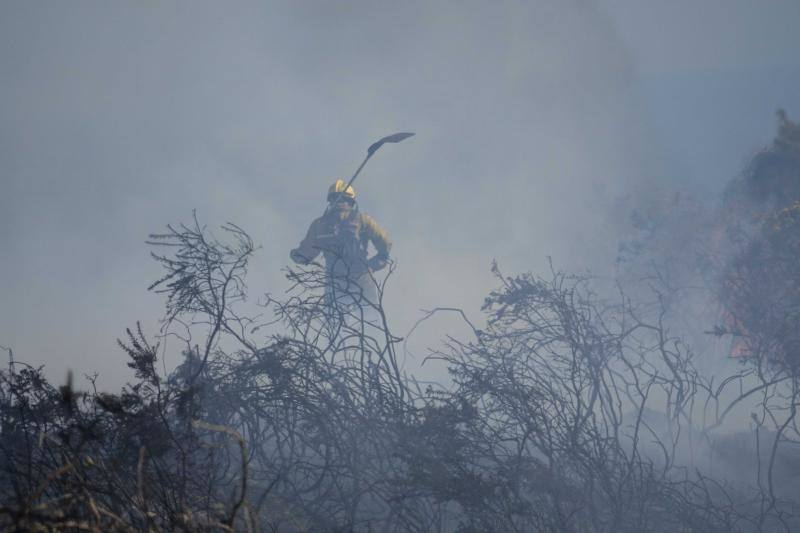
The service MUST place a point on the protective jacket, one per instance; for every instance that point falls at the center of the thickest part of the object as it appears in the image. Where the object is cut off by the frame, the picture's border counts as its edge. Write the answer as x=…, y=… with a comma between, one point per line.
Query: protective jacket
x=343, y=238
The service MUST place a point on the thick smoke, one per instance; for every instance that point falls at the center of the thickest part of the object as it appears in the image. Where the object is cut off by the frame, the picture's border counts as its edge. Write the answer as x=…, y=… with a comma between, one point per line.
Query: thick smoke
x=118, y=116
x=645, y=378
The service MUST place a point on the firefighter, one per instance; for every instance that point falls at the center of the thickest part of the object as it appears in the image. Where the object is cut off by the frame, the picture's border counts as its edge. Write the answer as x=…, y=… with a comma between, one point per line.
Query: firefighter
x=343, y=235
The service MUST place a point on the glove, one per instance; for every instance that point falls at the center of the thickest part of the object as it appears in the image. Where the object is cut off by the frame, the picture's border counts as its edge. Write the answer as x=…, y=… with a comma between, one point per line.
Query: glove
x=377, y=262
x=299, y=258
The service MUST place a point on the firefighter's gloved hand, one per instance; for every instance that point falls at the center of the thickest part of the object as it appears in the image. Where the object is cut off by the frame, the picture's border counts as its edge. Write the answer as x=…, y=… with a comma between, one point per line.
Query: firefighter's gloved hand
x=299, y=258
x=377, y=262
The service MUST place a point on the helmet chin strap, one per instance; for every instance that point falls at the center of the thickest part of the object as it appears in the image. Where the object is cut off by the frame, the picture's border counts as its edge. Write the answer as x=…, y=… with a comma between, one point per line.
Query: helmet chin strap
x=350, y=209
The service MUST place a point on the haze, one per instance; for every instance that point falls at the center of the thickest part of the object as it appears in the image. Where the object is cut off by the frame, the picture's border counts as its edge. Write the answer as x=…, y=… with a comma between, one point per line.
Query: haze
x=539, y=125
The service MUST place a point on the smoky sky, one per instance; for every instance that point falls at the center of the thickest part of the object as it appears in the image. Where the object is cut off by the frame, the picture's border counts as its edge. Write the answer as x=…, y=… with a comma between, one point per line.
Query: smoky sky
x=538, y=124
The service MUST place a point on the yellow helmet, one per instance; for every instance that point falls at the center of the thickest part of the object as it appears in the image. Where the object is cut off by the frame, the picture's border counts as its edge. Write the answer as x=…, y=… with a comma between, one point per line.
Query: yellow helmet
x=341, y=189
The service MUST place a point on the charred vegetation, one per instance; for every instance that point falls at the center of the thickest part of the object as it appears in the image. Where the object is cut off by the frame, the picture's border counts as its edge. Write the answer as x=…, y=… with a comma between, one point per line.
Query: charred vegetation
x=571, y=408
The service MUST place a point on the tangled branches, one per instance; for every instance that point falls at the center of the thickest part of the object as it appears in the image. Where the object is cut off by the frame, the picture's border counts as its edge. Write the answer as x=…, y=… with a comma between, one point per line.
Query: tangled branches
x=567, y=412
